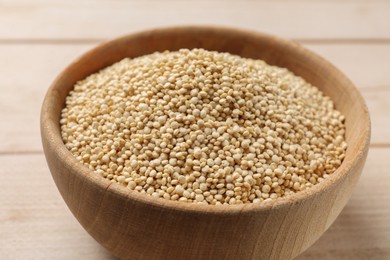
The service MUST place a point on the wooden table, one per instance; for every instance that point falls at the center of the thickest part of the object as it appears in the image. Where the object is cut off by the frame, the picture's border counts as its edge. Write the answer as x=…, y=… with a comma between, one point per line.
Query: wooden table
x=38, y=38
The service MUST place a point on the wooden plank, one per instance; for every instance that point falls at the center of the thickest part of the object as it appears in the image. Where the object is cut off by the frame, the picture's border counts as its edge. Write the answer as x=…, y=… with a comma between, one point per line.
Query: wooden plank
x=36, y=224
x=24, y=82
x=27, y=71
x=34, y=220
x=105, y=19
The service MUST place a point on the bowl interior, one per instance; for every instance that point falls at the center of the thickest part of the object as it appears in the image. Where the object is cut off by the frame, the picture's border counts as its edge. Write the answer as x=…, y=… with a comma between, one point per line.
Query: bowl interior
x=273, y=50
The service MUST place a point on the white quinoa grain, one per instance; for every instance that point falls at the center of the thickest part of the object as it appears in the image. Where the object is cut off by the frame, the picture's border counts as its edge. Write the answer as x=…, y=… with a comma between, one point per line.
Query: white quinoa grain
x=204, y=127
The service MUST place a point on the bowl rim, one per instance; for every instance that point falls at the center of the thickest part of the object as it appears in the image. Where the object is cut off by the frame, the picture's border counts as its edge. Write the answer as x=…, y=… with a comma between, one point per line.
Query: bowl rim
x=51, y=133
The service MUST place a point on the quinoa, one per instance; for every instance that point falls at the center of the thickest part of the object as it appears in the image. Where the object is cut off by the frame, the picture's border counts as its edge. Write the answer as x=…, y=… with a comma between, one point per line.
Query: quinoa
x=204, y=127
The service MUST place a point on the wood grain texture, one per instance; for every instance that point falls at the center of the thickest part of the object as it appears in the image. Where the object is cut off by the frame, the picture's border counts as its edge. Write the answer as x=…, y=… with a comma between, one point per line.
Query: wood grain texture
x=21, y=63
x=107, y=19
x=36, y=224
x=127, y=223
x=34, y=221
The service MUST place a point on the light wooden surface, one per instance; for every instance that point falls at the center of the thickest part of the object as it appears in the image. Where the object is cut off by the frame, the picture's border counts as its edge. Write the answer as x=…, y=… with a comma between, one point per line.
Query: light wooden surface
x=38, y=38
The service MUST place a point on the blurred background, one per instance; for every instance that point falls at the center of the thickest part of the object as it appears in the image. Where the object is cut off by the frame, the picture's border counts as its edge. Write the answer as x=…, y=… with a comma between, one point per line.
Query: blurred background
x=39, y=38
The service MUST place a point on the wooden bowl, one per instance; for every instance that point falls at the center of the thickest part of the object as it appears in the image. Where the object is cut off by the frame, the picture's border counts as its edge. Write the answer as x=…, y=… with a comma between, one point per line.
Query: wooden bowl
x=136, y=226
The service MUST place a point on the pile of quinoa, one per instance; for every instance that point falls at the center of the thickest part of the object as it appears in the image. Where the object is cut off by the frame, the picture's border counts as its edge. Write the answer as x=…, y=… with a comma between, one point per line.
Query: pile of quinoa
x=204, y=127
